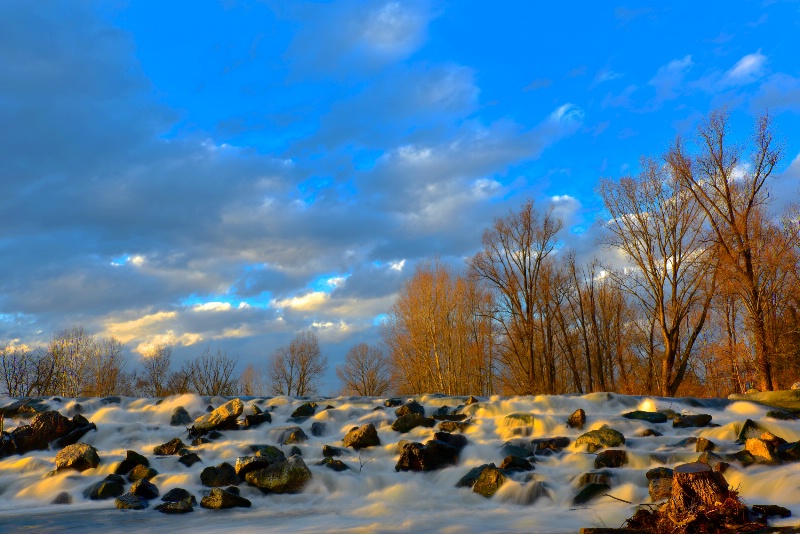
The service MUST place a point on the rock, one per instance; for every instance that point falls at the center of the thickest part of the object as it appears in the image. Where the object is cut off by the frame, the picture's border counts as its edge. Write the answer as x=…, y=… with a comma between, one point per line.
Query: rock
x=131, y=501
x=305, y=410
x=789, y=452
x=704, y=445
x=515, y=463
x=75, y=435
x=336, y=465
x=611, y=458
x=691, y=421
x=329, y=451
x=489, y=481
x=173, y=446
x=175, y=507
x=410, y=407
x=765, y=511
x=189, y=459
x=659, y=472
x=24, y=408
x=471, y=400
x=762, y=450
x=180, y=417
x=252, y=421
x=142, y=472
x=429, y=457
x=62, y=498
x=454, y=426
x=647, y=432
x=595, y=477
x=600, y=438
x=79, y=457
x=555, y=444
x=650, y=417
x=291, y=435
x=246, y=464
x=318, y=429
x=391, y=403
x=407, y=422
x=295, y=450
x=145, y=488
x=450, y=417
x=45, y=427
x=577, y=419
x=288, y=476
x=179, y=494
x=270, y=452
x=660, y=488
x=750, y=429
x=222, y=418
x=512, y=447
x=220, y=499
x=362, y=437
x=783, y=415
x=458, y=441
x=110, y=487
x=590, y=491
x=223, y=474
x=468, y=480
x=520, y=423
x=132, y=459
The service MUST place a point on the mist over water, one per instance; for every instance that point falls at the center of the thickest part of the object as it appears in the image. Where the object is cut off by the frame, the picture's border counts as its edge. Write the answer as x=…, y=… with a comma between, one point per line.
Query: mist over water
x=371, y=496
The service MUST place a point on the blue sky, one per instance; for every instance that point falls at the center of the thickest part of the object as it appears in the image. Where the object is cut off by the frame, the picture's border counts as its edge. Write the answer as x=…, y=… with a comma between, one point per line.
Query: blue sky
x=231, y=173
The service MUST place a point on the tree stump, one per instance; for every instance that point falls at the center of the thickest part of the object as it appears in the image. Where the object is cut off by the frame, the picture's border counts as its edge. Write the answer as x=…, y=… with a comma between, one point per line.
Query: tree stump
x=700, y=493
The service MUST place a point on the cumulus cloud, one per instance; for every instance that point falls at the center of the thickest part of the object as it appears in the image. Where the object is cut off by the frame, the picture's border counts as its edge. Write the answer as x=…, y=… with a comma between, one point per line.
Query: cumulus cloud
x=747, y=70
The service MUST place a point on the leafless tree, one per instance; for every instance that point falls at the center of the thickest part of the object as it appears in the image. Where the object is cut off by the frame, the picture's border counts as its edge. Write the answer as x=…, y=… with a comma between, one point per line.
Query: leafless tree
x=106, y=369
x=156, y=370
x=212, y=374
x=17, y=365
x=251, y=381
x=365, y=372
x=71, y=351
x=295, y=369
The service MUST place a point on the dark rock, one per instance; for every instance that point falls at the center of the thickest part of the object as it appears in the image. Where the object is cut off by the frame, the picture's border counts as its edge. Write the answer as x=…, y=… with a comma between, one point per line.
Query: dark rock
x=691, y=421
x=750, y=429
x=550, y=444
x=252, y=421
x=216, y=476
x=595, y=477
x=790, y=452
x=108, y=488
x=336, y=465
x=459, y=441
x=233, y=489
x=515, y=463
x=600, y=438
x=175, y=507
x=659, y=472
x=511, y=448
x=214, y=435
x=746, y=458
x=220, y=499
x=180, y=417
x=75, y=435
x=611, y=458
x=318, y=429
x=489, y=481
x=145, y=488
x=391, y=403
x=647, y=432
x=110, y=400
x=454, y=426
x=429, y=457
x=79, y=457
x=62, y=498
x=24, y=408
x=407, y=422
x=577, y=419
x=222, y=418
x=766, y=511
x=196, y=442
x=329, y=451
x=45, y=427
x=589, y=492
x=291, y=435
x=450, y=417
x=141, y=472
x=295, y=450
x=362, y=437
x=520, y=424
x=246, y=464
x=468, y=480
x=305, y=410
x=270, y=452
x=650, y=417
x=189, y=459
x=660, y=488
x=131, y=501
x=169, y=448
x=410, y=407
x=704, y=445
x=471, y=400
x=783, y=415
x=288, y=476
x=179, y=494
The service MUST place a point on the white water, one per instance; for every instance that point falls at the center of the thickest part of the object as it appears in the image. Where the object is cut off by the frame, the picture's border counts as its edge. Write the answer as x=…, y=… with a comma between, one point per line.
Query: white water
x=372, y=497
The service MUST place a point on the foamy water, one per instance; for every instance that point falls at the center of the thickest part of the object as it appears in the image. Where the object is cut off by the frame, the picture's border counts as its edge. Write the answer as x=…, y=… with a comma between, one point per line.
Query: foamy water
x=372, y=496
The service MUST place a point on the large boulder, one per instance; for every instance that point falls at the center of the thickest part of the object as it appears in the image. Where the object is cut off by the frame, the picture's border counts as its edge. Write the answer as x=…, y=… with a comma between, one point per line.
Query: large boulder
x=691, y=421
x=145, y=488
x=45, y=427
x=131, y=501
x=271, y=452
x=650, y=417
x=433, y=455
x=406, y=423
x=246, y=464
x=222, y=418
x=600, y=438
x=142, y=472
x=459, y=441
x=292, y=434
x=132, y=459
x=489, y=481
x=220, y=499
x=177, y=495
x=577, y=419
x=362, y=437
x=306, y=409
x=173, y=446
x=410, y=407
x=288, y=476
x=223, y=474
x=79, y=457
x=108, y=488
x=180, y=417
x=611, y=458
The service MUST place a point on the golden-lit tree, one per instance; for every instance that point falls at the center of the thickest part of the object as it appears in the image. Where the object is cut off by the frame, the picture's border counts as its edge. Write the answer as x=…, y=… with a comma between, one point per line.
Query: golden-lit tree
x=366, y=371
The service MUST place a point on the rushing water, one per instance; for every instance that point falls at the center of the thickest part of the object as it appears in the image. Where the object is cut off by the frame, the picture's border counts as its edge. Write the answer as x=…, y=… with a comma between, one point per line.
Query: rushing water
x=372, y=496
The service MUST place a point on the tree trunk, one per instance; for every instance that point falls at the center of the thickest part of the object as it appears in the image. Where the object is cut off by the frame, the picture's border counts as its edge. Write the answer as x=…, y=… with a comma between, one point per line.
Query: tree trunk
x=697, y=492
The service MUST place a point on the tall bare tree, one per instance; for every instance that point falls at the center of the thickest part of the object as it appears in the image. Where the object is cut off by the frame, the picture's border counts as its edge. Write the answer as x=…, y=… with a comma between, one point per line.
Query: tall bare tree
x=17, y=365
x=106, y=369
x=212, y=374
x=365, y=372
x=730, y=186
x=251, y=381
x=156, y=370
x=295, y=369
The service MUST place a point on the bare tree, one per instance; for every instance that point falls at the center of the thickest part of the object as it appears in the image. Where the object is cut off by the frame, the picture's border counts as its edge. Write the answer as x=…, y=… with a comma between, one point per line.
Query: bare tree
x=106, y=369
x=71, y=350
x=251, y=381
x=17, y=365
x=730, y=187
x=295, y=369
x=658, y=226
x=156, y=365
x=365, y=371
x=212, y=374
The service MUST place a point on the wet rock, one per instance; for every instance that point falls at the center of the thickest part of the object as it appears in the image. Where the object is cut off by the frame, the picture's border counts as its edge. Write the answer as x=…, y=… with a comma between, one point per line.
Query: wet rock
x=660, y=488
x=515, y=463
x=318, y=429
x=295, y=450
x=45, y=427
x=131, y=501
x=429, y=457
x=577, y=419
x=691, y=421
x=454, y=426
x=246, y=464
x=766, y=511
x=391, y=403
x=189, y=459
x=555, y=444
x=783, y=415
x=252, y=421
x=745, y=458
x=750, y=429
x=489, y=481
x=179, y=494
x=468, y=480
x=305, y=410
x=329, y=451
x=180, y=417
x=24, y=408
x=648, y=432
x=514, y=447
x=458, y=441
x=762, y=450
x=289, y=476
x=270, y=452
x=173, y=446
x=132, y=459
x=410, y=407
x=659, y=472
x=703, y=445
x=595, y=477
x=216, y=476
x=222, y=418
x=450, y=417
x=62, y=498
x=142, y=472
x=108, y=488
x=362, y=437
x=83, y=427
x=336, y=465
x=611, y=458
x=600, y=438
x=175, y=507
x=471, y=400
x=145, y=488
x=79, y=457
x=291, y=435
x=650, y=417
x=789, y=452
x=407, y=422
x=521, y=424
x=220, y=499
x=589, y=492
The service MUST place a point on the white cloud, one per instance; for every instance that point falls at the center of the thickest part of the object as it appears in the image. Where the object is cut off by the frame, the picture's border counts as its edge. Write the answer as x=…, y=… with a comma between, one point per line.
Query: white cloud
x=747, y=70
x=308, y=302
x=213, y=307
x=397, y=265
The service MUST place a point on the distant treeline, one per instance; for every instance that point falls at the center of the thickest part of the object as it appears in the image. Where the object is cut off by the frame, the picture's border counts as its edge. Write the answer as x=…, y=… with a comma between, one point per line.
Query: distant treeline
x=697, y=294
